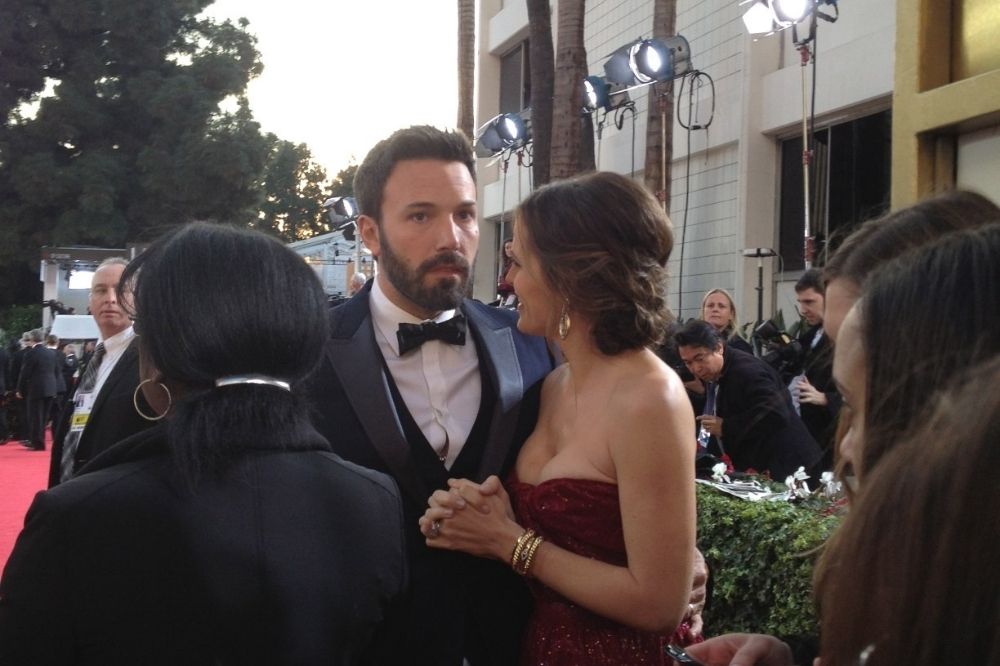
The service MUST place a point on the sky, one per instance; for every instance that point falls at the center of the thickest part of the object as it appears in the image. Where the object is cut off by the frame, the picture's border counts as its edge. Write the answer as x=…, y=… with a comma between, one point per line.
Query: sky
x=341, y=74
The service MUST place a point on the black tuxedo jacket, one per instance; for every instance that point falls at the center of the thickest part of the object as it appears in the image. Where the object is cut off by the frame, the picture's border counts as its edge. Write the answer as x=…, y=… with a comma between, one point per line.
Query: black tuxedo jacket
x=112, y=419
x=760, y=428
x=38, y=373
x=291, y=556
x=459, y=605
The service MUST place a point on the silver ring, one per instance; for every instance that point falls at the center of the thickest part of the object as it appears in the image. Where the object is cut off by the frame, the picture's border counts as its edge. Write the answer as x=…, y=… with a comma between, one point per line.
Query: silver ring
x=435, y=529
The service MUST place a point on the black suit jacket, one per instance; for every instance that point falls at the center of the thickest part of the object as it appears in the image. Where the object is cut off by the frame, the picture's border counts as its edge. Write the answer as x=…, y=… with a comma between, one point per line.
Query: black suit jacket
x=459, y=605
x=4, y=369
x=760, y=428
x=39, y=374
x=112, y=419
x=817, y=365
x=292, y=556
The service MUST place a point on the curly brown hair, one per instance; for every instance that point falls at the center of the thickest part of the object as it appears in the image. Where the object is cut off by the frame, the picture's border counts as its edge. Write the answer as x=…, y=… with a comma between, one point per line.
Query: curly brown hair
x=603, y=243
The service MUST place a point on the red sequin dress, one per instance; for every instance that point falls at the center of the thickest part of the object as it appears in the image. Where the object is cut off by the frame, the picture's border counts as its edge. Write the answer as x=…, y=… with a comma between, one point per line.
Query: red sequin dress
x=582, y=516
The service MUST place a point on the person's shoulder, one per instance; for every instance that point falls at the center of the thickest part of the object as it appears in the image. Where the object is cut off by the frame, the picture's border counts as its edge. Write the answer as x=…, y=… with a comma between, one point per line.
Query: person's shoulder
x=377, y=481
x=496, y=316
x=348, y=315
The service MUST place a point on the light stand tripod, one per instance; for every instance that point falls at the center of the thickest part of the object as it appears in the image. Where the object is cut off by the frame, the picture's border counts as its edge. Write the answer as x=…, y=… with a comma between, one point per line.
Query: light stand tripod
x=759, y=253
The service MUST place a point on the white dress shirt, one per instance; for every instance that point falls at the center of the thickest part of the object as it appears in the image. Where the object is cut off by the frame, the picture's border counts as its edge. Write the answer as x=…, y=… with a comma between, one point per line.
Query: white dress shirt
x=439, y=382
x=114, y=348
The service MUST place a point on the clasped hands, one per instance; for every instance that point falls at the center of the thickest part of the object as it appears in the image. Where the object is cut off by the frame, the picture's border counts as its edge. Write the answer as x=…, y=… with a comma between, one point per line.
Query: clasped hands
x=473, y=518
x=478, y=519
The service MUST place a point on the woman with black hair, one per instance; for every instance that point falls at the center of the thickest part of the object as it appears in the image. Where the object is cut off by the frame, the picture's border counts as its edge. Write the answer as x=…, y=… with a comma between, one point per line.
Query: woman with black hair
x=228, y=533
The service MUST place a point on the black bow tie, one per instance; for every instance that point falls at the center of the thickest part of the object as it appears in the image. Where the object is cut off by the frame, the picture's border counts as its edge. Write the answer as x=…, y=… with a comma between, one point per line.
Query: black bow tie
x=411, y=336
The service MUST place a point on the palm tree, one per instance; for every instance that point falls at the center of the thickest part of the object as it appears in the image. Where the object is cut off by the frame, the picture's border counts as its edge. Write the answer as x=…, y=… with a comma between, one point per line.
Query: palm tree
x=660, y=143
x=570, y=70
x=466, y=66
x=541, y=75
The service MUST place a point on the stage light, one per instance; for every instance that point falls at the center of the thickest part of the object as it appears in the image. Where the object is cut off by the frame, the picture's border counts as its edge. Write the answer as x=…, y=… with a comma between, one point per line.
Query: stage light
x=595, y=94
x=759, y=19
x=789, y=12
x=648, y=61
x=503, y=132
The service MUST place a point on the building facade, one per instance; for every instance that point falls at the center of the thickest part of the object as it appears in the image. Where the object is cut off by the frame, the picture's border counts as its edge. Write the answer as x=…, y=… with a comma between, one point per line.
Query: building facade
x=737, y=183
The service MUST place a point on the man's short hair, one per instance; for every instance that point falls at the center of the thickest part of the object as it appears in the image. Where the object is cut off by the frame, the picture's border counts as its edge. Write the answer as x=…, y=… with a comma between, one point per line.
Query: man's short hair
x=420, y=142
x=37, y=335
x=811, y=279
x=697, y=333
x=112, y=261
x=51, y=339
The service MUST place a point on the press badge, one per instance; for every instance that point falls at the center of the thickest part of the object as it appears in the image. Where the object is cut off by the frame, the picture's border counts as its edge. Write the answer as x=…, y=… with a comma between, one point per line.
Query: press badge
x=82, y=405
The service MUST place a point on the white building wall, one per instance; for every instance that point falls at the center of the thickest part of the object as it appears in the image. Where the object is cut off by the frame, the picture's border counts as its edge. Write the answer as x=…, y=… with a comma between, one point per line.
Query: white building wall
x=732, y=199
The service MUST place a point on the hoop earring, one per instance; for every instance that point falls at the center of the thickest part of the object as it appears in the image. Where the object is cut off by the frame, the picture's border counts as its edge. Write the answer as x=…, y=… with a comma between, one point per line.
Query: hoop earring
x=135, y=401
x=564, y=323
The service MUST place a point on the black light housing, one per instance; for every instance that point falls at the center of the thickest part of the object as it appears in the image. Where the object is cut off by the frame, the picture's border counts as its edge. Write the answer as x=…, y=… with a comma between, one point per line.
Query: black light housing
x=503, y=132
x=648, y=61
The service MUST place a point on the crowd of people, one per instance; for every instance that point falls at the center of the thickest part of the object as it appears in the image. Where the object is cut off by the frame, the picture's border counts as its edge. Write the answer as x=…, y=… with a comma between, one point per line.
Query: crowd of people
x=244, y=476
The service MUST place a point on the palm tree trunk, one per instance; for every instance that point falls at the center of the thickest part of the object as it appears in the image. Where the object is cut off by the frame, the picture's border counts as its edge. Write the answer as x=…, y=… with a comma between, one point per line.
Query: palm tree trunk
x=660, y=151
x=570, y=71
x=466, y=67
x=542, y=73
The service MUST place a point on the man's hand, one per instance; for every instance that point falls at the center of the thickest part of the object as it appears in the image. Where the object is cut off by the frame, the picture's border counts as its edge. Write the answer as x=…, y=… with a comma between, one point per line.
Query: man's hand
x=711, y=423
x=809, y=394
x=742, y=650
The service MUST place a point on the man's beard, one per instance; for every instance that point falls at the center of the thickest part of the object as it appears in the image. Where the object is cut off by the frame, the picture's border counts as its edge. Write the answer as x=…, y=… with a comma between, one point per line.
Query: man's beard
x=442, y=294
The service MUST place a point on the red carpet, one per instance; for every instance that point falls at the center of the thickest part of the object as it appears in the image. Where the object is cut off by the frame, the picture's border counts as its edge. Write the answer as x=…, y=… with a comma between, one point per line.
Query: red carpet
x=22, y=474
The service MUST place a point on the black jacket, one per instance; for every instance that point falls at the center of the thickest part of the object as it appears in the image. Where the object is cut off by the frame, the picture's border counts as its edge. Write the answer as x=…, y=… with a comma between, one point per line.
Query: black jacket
x=459, y=605
x=112, y=419
x=760, y=428
x=290, y=557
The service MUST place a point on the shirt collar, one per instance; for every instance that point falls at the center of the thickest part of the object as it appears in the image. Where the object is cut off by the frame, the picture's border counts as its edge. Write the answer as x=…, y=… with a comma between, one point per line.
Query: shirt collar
x=387, y=316
x=117, y=342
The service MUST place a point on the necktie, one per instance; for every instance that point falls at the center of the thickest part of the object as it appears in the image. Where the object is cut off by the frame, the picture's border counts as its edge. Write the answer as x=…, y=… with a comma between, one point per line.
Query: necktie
x=411, y=336
x=703, y=435
x=72, y=440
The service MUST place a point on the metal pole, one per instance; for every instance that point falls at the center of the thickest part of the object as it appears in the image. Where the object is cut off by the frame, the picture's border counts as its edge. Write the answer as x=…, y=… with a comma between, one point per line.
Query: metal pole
x=807, y=245
x=760, y=291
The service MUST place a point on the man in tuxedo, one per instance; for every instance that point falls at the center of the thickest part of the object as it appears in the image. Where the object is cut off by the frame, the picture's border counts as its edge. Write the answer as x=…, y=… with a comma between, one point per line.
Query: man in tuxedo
x=37, y=385
x=425, y=384
x=103, y=412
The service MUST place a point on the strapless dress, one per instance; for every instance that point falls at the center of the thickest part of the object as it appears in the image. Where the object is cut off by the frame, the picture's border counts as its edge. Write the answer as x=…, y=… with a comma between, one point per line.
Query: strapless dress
x=582, y=516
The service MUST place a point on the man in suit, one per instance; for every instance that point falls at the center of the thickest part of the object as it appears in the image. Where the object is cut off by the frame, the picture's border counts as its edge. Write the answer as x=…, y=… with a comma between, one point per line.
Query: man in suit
x=4, y=363
x=20, y=430
x=103, y=410
x=753, y=420
x=424, y=384
x=37, y=385
x=813, y=389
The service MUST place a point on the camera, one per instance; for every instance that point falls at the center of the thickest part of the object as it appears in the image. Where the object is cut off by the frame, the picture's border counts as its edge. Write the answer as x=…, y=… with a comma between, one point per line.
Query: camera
x=779, y=350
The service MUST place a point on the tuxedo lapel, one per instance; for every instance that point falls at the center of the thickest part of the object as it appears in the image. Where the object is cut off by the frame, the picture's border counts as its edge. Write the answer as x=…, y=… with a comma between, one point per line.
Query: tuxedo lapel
x=495, y=345
x=357, y=361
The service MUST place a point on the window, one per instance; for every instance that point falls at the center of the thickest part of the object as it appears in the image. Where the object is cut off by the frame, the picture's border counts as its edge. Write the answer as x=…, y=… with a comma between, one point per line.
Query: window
x=850, y=174
x=515, y=86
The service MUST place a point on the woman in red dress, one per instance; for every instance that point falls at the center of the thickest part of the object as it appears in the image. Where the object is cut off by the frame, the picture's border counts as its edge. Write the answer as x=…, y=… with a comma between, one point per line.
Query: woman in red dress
x=600, y=514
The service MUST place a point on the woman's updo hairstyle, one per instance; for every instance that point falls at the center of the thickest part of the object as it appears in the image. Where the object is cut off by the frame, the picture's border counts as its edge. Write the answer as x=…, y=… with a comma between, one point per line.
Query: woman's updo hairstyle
x=603, y=243
x=213, y=301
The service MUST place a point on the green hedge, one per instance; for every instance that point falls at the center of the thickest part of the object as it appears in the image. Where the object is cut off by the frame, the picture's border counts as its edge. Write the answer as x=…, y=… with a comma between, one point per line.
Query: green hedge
x=761, y=557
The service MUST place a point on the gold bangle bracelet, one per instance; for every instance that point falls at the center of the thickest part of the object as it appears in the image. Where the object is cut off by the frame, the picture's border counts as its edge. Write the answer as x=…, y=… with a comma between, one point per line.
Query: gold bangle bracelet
x=530, y=557
x=518, y=553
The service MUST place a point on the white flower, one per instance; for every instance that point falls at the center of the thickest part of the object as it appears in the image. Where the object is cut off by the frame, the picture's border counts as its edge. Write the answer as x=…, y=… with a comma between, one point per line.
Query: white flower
x=719, y=473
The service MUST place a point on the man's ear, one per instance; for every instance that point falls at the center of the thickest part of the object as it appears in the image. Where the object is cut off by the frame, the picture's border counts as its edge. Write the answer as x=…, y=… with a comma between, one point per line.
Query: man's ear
x=368, y=228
